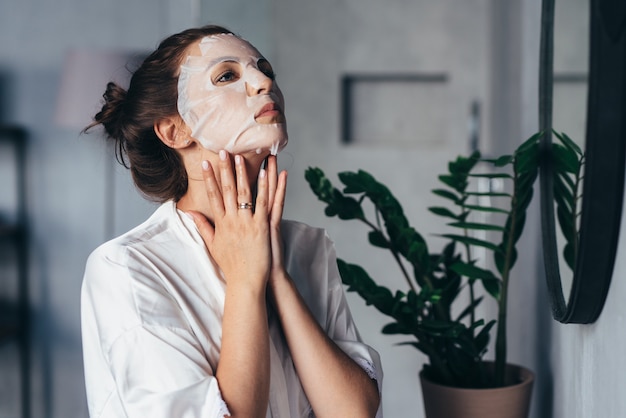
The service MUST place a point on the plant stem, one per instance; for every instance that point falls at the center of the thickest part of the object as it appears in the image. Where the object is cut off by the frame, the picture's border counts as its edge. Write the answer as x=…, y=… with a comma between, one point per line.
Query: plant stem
x=395, y=255
x=471, y=284
x=501, y=334
x=502, y=303
x=468, y=251
x=404, y=272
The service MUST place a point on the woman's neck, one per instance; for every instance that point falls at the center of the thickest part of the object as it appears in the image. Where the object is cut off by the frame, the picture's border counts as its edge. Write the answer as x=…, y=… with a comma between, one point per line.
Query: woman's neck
x=196, y=197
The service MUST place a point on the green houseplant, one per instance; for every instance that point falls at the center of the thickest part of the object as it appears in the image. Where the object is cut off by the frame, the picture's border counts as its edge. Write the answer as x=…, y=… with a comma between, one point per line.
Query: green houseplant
x=569, y=161
x=455, y=345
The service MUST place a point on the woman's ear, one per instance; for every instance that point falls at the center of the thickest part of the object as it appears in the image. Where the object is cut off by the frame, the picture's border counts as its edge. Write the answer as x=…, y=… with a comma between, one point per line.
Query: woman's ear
x=173, y=132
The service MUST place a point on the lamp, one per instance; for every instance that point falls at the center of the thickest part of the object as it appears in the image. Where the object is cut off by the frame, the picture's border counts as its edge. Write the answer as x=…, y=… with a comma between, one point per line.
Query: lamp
x=84, y=78
x=83, y=81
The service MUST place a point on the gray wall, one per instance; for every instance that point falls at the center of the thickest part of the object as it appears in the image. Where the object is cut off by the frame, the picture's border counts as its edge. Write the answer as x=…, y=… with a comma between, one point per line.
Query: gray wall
x=310, y=44
x=588, y=374
x=489, y=51
x=66, y=173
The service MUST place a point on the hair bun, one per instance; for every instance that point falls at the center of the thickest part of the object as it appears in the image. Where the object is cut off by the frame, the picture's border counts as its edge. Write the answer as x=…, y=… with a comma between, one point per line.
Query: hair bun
x=111, y=114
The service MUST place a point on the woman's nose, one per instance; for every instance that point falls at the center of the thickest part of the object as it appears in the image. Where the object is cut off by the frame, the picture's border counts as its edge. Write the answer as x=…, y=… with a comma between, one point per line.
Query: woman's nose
x=257, y=82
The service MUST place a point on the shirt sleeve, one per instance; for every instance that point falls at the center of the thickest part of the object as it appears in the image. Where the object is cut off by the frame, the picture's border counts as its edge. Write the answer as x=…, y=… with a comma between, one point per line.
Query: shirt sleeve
x=160, y=373
x=311, y=260
x=341, y=328
x=135, y=368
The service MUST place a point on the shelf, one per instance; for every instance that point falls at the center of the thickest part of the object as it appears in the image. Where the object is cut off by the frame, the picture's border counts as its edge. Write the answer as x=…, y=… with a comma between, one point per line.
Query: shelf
x=12, y=133
x=10, y=323
x=8, y=331
x=9, y=230
x=14, y=309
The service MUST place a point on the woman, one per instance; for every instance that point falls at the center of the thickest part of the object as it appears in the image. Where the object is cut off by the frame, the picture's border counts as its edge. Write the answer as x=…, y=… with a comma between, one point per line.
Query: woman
x=215, y=306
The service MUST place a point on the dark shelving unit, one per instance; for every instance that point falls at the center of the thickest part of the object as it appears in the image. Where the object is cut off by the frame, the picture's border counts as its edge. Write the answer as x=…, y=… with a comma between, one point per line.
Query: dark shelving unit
x=14, y=309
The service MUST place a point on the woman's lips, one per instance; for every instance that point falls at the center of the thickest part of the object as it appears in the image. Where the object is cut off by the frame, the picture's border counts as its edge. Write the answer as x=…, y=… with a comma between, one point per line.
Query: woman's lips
x=270, y=113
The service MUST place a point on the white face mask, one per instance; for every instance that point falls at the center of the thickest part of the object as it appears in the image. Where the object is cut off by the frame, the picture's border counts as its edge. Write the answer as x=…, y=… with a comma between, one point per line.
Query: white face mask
x=228, y=97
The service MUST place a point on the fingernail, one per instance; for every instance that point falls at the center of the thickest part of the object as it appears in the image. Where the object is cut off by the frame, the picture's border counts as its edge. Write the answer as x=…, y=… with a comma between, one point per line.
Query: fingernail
x=205, y=165
x=237, y=159
x=262, y=173
x=223, y=155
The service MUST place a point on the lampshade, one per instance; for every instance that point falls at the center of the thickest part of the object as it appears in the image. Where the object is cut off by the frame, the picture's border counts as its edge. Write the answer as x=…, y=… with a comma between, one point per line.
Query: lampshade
x=86, y=73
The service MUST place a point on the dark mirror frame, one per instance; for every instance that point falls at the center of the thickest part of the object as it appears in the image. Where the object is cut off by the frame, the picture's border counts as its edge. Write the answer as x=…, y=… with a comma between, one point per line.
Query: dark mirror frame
x=605, y=154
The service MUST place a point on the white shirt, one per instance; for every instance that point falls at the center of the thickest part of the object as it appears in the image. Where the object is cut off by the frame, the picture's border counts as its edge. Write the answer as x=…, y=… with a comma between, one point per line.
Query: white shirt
x=152, y=305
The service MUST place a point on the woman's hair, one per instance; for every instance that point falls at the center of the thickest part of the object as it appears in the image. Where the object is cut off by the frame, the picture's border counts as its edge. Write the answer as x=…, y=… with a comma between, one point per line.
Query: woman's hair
x=128, y=117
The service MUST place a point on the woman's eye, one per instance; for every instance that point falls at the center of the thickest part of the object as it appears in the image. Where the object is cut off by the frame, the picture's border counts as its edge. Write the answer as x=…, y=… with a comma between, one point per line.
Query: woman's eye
x=226, y=76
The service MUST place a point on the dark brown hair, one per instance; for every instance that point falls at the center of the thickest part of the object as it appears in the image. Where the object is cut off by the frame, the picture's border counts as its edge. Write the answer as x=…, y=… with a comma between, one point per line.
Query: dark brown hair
x=128, y=117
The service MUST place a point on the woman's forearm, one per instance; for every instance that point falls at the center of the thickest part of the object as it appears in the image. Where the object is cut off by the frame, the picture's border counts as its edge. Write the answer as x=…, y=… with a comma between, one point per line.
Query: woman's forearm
x=335, y=385
x=243, y=369
x=238, y=240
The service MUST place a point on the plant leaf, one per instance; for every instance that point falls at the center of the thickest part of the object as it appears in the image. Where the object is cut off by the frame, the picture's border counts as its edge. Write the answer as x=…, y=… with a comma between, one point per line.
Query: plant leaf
x=471, y=241
x=530, y=142
x=492, y=176
x=482, y=339
x=500, y=161
x=446, y=194
x=568, y=142
x=318, y=182
x=469, y=309
x=395, y=328
x=471, y=271
x=565, y=159
x=490, y=194
x=486, y=209
x=476, y=226
x=457, y=183
x=493, y=287
x=445, y=212
x=377, y=239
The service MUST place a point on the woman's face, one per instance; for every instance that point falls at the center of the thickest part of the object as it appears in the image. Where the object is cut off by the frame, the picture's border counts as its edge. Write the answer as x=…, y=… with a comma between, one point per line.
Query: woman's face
x=228, y=97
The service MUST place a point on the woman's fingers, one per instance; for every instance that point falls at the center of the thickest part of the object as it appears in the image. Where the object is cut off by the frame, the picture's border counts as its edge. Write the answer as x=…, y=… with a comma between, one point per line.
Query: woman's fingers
x=232, y=192
x=227, y=181
x=212, y=189
x=262, y=195
x=244, y=195
x=272, y=175
x=278, y=203
x=238, y=237
x=276, y=214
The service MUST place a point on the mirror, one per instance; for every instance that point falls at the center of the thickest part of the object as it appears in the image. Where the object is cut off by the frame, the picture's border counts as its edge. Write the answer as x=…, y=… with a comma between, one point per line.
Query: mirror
x=578, y=289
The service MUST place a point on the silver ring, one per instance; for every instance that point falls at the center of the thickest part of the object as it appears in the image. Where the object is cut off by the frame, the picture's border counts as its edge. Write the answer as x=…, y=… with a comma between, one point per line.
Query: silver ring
x=245, y=206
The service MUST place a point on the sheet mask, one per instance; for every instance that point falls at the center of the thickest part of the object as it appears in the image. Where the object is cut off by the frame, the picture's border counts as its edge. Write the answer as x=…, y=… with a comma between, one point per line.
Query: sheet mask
x=222, y=116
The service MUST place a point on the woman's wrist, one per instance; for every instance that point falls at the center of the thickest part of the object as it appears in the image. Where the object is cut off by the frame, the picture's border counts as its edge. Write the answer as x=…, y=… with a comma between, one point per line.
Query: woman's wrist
x=246, y=286
x=278, y=284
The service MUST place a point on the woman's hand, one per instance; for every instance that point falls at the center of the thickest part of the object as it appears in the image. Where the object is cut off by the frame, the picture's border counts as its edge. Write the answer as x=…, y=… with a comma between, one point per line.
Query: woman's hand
x=348, y=390
x=239, y=239
x=239, y=242
x=277, y=184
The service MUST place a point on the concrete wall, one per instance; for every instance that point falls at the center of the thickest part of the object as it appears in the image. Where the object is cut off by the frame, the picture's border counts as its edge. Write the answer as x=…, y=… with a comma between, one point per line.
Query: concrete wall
x=66, y=174
x=589, y=376
x=489, y=49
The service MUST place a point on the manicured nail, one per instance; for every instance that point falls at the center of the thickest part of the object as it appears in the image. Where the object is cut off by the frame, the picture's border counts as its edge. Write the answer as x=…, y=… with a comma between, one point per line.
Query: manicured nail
x=205, y=165
x=223, y=155
x=262, y=173
x=237, y=159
